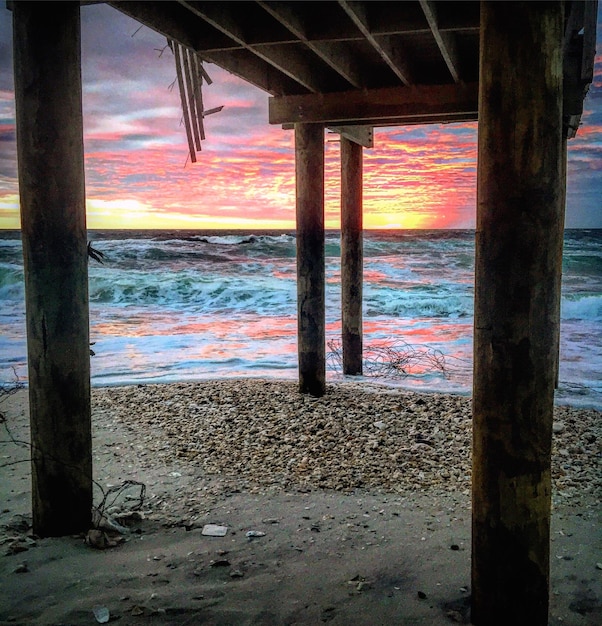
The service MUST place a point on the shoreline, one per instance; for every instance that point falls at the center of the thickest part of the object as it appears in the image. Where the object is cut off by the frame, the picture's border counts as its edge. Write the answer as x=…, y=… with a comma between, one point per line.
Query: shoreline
x=389, y=437
x=575, y=401
x=354, y=535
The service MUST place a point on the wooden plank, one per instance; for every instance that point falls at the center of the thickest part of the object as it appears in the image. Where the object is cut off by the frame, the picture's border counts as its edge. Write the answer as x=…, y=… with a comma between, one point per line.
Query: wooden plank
x=351, y=256
x=423, y=104
x=177, y=23
x=589, y=40
x=362, y=135
x=387, y=49
x=578, y=61
x=212, y=111
x=174, y=21
x=254, y=70
x=289, y=60
x=48, y=97
x=197, y=85
x=335, y=54
x=178, y=52
x=408, y=121
x=520, y=218
x=189, y=76
x=560, y=249
x=445, y=41
x=311, y=269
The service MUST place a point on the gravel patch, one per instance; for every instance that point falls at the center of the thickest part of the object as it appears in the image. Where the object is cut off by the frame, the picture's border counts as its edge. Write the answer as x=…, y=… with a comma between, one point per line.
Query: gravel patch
x=261, y=435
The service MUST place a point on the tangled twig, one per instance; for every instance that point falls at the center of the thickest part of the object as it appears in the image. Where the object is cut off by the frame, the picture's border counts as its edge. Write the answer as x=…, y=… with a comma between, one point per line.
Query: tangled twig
x=392, y=359
x=5, y=392
x=116, y=491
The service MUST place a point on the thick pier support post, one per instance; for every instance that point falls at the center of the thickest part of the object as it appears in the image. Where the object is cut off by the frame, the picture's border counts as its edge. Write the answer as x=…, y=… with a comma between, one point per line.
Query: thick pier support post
x=311, y=320
x=351, y=255
x=519, y=223
x=563, y=176
x=53, y=221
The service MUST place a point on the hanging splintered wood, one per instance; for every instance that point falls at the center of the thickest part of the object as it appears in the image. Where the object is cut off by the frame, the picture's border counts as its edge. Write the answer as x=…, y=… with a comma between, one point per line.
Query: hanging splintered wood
x=191, y=74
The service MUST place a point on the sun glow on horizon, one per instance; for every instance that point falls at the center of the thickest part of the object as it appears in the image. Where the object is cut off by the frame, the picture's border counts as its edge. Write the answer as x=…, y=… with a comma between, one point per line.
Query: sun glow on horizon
x=130, y=213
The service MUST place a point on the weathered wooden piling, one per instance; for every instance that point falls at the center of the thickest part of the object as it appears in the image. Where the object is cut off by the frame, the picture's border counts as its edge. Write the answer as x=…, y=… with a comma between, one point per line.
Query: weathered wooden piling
x=48, y=98
x=519, y=225
x=564, y=164
x=351, y=255
x=311, y=321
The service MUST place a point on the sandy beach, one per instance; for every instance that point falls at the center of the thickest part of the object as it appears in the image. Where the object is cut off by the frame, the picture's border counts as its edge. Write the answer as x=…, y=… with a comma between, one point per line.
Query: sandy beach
x=357, y=506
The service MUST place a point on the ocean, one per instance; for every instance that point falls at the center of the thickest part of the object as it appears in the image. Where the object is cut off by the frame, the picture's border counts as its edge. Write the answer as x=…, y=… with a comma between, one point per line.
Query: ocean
x=171, y=306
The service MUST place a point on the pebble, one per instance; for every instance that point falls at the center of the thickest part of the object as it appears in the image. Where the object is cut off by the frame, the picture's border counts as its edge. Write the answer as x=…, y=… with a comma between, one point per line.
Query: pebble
x=17, y=546
x=251, y=534
x=101, y=613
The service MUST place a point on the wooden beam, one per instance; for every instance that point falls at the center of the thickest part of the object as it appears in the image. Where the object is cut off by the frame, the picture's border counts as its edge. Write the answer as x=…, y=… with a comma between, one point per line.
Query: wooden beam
x=48, y=97
x=574, y=23
x=403, y=121
x=574, y=89
x=422, y=104
x=361, y=135
x=290, y=60
x=589, y=40
x=445, y=41
x=197, y=85
x=436, y=118
x=351, y=256
x=311, y=272
x=517, y=267
x=254, y=70
x=384, y=45
x=560, y=249
x=578, y=59
x=178, y=52
x=335, y=54
x=175, y=22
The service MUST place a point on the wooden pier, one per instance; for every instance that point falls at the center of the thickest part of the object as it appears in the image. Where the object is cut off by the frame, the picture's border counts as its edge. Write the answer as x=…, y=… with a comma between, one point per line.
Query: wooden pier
x=521, y=68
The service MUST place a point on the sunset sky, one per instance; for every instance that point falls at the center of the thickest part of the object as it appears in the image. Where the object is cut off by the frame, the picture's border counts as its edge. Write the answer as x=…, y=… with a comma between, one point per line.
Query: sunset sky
x=138, y=174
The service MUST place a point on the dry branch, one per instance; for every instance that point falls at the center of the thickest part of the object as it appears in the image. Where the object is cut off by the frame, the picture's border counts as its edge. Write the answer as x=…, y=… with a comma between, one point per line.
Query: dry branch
x=392, y=359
